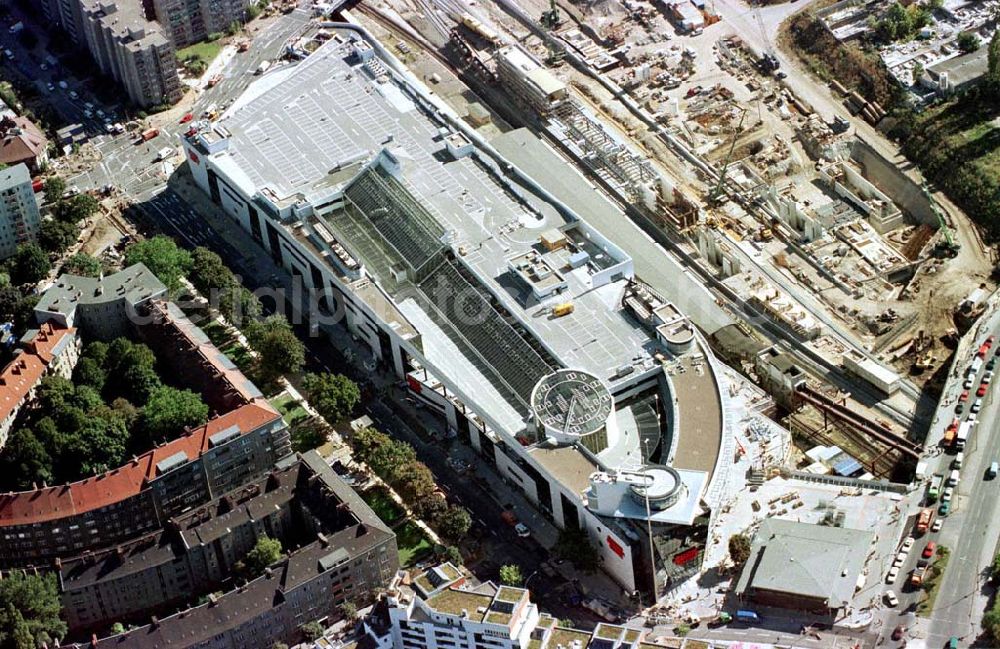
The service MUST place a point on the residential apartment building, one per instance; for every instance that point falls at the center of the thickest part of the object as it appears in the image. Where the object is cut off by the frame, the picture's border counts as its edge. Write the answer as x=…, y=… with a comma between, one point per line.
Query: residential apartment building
x=439, y=609
x=22, y=142
x=101, y=307
x=19, y=216
x=131, y=49
x=41, y=525
x=46, y=351
x=191, y=21
x=353, y=561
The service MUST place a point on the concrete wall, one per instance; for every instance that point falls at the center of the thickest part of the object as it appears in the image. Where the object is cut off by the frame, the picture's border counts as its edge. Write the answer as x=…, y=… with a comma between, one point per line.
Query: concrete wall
x=885, y=175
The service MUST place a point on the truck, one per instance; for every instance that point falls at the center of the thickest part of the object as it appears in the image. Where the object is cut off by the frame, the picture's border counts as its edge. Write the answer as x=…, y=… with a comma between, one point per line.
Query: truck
x=934, y=490
x=165, y=153
x=950, y=433
x=263, y=67
x=924, y=519
x=147, y=135
x=963, y=435
x=917, y=576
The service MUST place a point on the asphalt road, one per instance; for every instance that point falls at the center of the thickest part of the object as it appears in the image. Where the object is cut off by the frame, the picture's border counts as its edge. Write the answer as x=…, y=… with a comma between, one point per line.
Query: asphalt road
x=974, y=527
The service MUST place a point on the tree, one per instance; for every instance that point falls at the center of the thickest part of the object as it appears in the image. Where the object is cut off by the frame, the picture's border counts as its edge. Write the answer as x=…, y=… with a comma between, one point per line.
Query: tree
x=25, y=460
x=57, y=236
x=29, y=610
x=30, y=264
x=75, y=209
x=968, y=42
x=169, y=411
x=280, y=351
x=265, y=552
x=379, y=451
x=993, y=58
x=84, y=265
x=431, y=507
x=413, y=481
x=574, y=545
x=918, y=73
x=896, y=24
x=239, y=305
x=54, y=189
x=133, y=364
x=739, y=549
x=510, y=575
x=991, y=621
x=89, y=372
x=162, y=257
x=308, y=434
x=454, y=523
x=334, y=396
x=453, y=555
x=311, y=631
x=349, y=611
x=208, y=271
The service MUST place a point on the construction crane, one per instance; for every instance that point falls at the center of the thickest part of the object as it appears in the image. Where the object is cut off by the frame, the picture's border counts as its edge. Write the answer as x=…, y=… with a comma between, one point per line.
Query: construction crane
x=768, y=61
x=550, y=18
x=716, y=193
x=947, y=247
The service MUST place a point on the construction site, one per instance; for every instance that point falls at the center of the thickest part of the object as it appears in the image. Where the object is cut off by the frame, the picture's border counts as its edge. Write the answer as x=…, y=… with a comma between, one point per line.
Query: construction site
x=803, y=232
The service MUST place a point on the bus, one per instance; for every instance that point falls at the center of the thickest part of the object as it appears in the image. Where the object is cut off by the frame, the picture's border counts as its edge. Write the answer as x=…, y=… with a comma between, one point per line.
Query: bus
x=934, y=490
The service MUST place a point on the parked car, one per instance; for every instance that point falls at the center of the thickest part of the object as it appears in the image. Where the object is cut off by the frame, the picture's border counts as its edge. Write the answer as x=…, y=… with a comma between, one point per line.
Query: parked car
x=992, y=471
x=908, y=543
x=948, y=494
x=938, y=524
x=944, y=509
x=982, y=390
x=969, y=382
x=891, y=577
x=929, y=550
x=977, y=405
x=522, y=530
x=962, y=398
x=891, y=599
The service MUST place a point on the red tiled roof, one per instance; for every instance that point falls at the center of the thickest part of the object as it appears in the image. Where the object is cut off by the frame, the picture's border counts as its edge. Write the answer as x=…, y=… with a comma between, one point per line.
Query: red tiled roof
x=28, y=367
x=21, y=141
x=50, y=503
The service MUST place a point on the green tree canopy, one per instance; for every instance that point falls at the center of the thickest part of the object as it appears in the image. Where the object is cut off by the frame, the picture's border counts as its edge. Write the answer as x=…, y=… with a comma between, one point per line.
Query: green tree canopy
x=264, y=553
x=29, y=611
x=170, y=410
x=413, y=481
x=993, y=59
x=311, y=631
x=163, y=257
x=25, y=460
x=510, y=575
x=739, y=549
x=968, y=42
x=30, y=264
x=57, y=236
x=381, y=452
x=75, y=209
x=454, y=523
x=54, y=188
x=281, y=352
x=83, y=264
x=334, y=396
x=89, y=372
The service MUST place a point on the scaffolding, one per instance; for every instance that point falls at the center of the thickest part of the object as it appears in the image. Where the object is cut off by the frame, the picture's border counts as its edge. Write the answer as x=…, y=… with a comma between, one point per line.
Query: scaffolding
x=605, y=155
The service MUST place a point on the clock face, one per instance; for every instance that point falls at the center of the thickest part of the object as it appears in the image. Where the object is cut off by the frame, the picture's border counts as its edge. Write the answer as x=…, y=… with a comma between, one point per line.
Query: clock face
x=571, y=401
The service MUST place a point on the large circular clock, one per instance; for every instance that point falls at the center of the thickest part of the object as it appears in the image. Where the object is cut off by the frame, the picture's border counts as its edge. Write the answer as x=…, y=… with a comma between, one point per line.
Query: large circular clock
x=571, y=402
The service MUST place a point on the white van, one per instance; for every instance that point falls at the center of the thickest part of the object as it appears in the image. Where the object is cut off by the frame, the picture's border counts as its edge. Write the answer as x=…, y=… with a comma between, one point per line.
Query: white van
x=164, y=153
x=957, y=462
x=953, y=478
